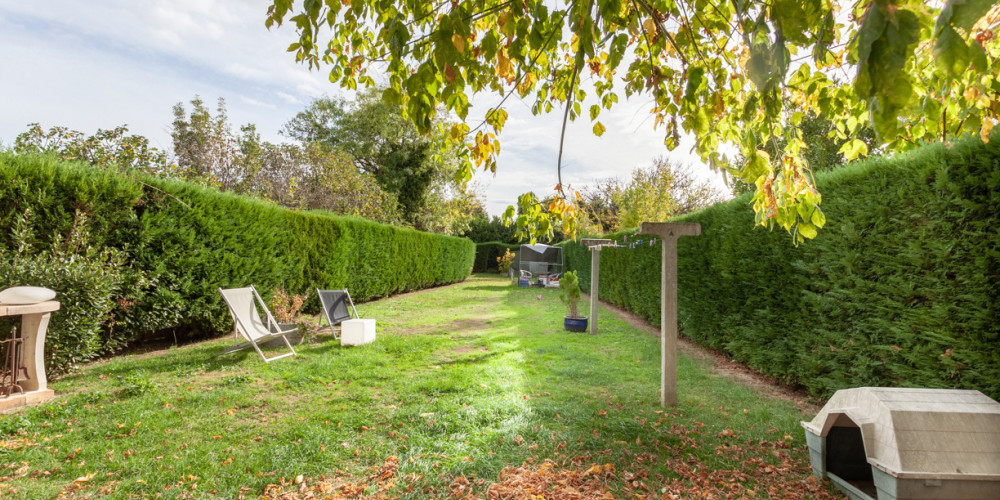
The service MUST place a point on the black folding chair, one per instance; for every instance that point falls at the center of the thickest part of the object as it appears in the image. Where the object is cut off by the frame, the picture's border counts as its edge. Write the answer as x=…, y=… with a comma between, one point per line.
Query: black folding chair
x=335, y=304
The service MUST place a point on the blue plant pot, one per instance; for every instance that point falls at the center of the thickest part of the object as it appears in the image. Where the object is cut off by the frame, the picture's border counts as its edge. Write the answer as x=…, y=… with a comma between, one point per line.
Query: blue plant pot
x=575, y=324
x=523, y=282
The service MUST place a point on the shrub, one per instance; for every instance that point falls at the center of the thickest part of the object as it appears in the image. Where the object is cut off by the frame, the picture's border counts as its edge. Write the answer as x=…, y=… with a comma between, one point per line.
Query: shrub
x=285, y=306
x=504, y=261
x=569, y=287
x=136, y=384
x=86, y=279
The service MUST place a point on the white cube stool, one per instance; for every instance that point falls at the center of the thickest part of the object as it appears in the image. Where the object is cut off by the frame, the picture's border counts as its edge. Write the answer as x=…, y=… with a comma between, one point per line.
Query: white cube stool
x=357, y=331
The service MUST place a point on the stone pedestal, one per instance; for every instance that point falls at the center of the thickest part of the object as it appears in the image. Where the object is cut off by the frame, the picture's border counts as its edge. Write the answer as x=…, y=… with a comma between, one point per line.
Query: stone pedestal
x=34, y=322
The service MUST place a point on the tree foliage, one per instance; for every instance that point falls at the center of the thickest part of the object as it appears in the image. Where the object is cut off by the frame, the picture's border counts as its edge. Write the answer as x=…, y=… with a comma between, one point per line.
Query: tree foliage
x=537, y=219
x=303, y=177
x=719, y=70
x=826, y=149
x=484, y=229
x=655, y=193
x=114, y=148
x=417, y=168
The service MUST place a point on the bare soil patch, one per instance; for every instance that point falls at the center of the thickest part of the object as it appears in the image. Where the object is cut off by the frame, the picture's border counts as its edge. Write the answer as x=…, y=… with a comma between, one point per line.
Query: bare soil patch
x=468, y=348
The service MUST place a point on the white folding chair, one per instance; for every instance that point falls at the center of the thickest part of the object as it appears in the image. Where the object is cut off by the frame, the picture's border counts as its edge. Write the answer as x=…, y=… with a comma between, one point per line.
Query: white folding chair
x=248, y=324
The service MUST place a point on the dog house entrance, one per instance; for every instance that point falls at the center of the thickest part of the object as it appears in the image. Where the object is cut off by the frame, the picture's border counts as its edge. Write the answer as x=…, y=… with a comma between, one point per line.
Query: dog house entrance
x=908, y=444
x=845, y=455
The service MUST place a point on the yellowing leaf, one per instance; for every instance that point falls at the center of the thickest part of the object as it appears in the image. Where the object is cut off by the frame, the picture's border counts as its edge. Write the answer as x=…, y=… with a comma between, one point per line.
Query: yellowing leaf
x=807, y=230
x=459, y=42
x=853, y=149
x=818, y=218
x=599, y=129
x=649, y=26
x=984, y=131
x=504, y=67
x=527, y=83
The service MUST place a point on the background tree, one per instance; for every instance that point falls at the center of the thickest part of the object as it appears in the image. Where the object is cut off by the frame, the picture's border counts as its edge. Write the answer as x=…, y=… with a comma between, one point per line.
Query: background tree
x=598, y=212
x=302, y=177
x=450, y=208
x=114, y=148
x=662, y=191
x=205, y=148
x=483, y=229
x=415, y=167
x=655, y=193
x=718, y=70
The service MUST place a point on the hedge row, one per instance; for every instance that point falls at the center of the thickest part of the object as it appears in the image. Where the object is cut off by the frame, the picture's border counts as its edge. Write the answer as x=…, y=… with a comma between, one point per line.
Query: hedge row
x=487, y=253
x=901, y=288
x=179, y=242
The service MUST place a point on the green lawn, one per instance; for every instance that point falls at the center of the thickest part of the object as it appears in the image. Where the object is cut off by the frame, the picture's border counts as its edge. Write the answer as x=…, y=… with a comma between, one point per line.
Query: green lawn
x=463, y=382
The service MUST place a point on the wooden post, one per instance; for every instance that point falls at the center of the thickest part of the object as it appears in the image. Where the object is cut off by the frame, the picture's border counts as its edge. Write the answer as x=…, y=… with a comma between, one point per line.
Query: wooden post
x=669, y=232
x=595, y=271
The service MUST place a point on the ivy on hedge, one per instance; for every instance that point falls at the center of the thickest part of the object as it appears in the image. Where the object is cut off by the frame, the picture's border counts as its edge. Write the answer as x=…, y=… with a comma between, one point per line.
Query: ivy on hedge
x=185, y=241
x=901, y=288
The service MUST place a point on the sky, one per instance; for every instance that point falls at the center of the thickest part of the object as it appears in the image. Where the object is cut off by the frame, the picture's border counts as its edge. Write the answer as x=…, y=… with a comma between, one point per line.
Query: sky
x=106, y=63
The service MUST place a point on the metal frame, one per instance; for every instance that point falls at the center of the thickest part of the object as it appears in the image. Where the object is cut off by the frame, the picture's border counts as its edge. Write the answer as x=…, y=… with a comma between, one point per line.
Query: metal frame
x=326, y=310
x=250, y=341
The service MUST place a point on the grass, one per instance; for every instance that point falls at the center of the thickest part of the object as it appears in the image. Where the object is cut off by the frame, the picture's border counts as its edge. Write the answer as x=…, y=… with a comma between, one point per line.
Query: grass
x=463, y=382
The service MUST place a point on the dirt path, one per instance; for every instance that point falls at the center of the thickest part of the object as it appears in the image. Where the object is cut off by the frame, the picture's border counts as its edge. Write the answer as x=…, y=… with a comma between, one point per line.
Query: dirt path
x=721, y=364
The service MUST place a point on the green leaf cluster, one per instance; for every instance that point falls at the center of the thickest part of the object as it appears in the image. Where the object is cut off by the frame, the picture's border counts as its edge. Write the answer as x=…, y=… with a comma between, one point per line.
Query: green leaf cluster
x=899, y=290
x=183, y=241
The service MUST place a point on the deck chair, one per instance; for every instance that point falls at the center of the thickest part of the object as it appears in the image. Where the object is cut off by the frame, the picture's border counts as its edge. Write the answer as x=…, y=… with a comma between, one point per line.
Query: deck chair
x=335, y=304
x=247, y=322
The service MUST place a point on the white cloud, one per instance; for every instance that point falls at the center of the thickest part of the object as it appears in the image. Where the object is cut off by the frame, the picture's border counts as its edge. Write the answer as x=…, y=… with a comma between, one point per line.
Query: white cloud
x=289, y=98
x=245, y=72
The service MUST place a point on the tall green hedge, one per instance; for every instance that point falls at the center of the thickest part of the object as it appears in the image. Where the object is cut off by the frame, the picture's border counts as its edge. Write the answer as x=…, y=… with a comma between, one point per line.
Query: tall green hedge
x=487, y=253
x=185, y=241
x=901, y=288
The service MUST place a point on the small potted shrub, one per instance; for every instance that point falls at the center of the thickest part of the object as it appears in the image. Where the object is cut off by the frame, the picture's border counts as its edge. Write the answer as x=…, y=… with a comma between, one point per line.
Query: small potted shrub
x=285, y=308
x=569, y=284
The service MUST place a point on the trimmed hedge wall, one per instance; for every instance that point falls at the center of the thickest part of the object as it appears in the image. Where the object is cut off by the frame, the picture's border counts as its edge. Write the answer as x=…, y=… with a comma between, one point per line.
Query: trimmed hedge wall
x=901, y=288
x=487, y=253
x=187, y=240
